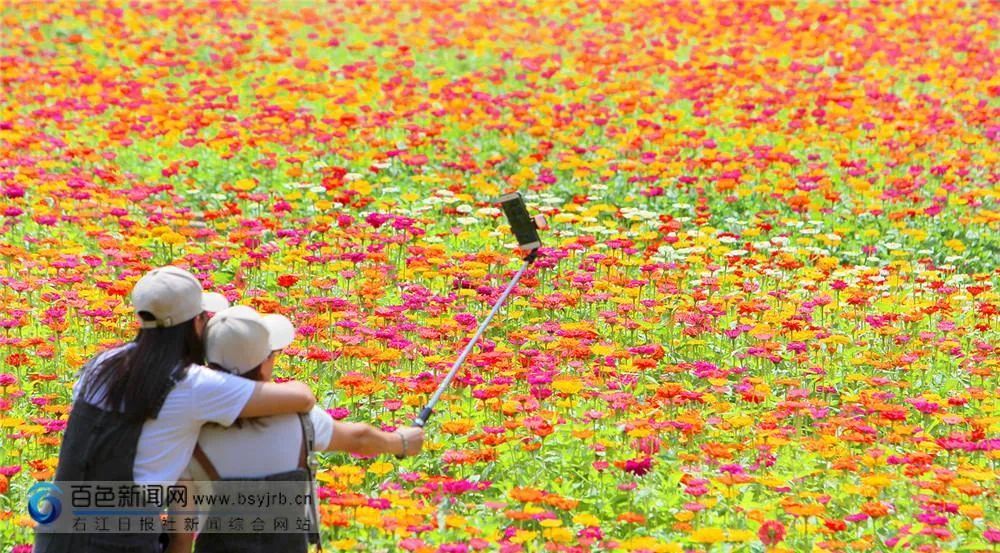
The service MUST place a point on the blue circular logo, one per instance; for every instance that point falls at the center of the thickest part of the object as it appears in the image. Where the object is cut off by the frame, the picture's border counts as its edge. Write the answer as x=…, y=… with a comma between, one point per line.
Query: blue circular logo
x=43, y=506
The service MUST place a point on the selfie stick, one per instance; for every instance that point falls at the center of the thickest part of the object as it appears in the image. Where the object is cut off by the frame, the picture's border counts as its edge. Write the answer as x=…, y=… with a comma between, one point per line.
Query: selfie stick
x=425, y=413
x=526, y=229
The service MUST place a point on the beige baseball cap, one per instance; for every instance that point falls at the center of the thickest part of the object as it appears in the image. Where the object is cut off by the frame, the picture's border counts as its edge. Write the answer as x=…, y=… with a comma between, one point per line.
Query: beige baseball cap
x=239, y=338
x=173, y=296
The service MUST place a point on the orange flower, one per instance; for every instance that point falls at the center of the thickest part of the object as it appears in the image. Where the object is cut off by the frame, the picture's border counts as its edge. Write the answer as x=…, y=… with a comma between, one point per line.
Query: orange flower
x=875, y=509
x=526, y=495
x=632, y=518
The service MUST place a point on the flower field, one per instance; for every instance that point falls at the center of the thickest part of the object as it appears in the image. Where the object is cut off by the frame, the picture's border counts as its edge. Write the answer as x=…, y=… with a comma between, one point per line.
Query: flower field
x=765, y=316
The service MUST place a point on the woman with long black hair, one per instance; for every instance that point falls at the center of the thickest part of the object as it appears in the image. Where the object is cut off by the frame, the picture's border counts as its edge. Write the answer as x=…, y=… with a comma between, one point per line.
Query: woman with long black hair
x=138, y=408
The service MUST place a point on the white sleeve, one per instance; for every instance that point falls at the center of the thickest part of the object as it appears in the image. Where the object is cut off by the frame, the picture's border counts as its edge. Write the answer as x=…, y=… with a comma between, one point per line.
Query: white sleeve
x=323, y=426
x=217, y=396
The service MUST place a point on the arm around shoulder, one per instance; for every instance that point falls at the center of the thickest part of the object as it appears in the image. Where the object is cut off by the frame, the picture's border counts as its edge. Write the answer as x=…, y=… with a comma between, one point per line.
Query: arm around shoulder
x=271, y=398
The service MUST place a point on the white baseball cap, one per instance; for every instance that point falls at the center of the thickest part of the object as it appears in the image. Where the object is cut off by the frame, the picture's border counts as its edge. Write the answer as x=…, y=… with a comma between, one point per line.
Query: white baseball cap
x=173, y=296
x=239, y=338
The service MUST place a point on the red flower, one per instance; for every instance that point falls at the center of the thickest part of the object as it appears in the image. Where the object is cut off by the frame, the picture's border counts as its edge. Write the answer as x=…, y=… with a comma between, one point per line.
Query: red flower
x=286, y=281
x=771, y=532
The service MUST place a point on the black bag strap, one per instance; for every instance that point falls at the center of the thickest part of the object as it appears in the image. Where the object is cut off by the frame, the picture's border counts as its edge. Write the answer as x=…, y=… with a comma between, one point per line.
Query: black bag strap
x=308, y=461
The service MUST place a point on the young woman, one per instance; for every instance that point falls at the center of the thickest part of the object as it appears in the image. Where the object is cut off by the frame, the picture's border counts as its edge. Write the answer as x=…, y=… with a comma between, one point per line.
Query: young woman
x=241, y=341
x=138, y=408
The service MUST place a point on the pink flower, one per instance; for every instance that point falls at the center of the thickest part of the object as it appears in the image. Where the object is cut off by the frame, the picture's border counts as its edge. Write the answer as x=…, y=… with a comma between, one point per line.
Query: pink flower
x=412, y=544
x=377, y=219
x=339, y=413
x=639, y=467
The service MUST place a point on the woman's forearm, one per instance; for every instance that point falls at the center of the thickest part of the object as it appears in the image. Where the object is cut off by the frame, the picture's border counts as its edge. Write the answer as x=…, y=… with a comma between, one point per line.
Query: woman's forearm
x=364, y=439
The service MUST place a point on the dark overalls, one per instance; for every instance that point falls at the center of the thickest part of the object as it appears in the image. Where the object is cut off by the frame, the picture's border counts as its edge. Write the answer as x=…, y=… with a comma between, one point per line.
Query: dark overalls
x=100, y=445
x=297, y=542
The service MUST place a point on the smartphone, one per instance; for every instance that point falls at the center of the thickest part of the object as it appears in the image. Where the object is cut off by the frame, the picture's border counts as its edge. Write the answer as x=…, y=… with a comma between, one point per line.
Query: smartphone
x=521, y=223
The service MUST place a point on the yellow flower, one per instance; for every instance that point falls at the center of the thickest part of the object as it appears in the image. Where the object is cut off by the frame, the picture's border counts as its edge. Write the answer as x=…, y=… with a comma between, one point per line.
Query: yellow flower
x=558, y=535
x=740, y=536
x=343, y=545
x=586, y=519
x=708, y=535
x=523, y=536
x=379, y=468
x=245, y=184
x=955, y=244
x=646, y=543
x=454, y=521
x=567, y=385
x=971, y=511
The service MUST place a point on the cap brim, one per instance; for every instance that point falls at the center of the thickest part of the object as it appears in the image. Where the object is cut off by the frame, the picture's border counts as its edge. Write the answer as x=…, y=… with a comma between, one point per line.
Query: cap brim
x=281, y=331
x=213, y=302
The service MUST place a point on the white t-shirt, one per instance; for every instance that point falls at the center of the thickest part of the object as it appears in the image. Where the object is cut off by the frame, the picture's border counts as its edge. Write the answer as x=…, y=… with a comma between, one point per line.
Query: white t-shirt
x=254, y=450
x=166, y=443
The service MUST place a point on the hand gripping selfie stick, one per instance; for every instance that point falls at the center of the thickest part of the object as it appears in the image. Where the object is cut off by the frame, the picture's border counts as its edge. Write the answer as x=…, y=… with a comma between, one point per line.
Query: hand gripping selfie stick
x=525, y=228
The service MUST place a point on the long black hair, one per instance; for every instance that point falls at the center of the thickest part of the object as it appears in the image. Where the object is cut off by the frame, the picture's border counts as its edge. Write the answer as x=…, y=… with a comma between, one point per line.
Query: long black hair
x=136, y=379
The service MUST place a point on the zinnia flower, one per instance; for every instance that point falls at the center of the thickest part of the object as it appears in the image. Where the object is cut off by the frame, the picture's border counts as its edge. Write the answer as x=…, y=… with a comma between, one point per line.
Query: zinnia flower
x=771, y=532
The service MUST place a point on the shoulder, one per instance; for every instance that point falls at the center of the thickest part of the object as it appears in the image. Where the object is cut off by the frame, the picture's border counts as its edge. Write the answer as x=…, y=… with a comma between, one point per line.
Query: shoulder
x=102, y=357
x=94, y=364
x=200, y=375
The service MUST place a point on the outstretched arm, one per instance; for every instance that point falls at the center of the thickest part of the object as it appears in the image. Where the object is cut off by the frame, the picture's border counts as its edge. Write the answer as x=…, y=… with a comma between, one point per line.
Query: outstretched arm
x=364, y=439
